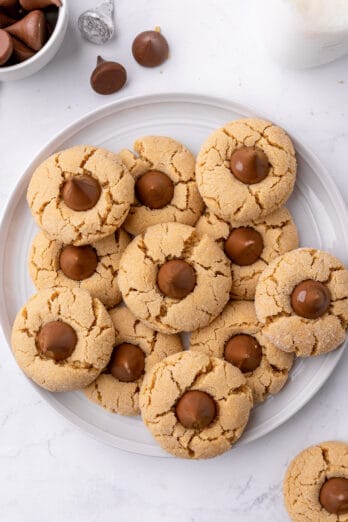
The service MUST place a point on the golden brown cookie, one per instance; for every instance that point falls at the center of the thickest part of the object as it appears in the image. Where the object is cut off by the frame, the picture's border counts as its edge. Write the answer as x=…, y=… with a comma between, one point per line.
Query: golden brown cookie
x=63, y=338
x=165, y=184
x=93, y=267
x=80, y=195
x=236, y=336
x=117, y=389
x=311, y=487
x=250, y=248
x=194, y=405
x=302, y=300
x=246, y=170
x=172, y=280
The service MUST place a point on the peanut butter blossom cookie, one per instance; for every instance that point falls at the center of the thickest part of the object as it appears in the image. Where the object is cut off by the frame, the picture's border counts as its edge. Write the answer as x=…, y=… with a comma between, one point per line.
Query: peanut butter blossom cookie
x=250, y=248
x=80, y=195
x=172, y=280
x=236, y=336
x=194, y=405
x=93, y=267
x=165, y=184
x=302, y=300
x=246, y=170
x=137, y=349
x=316, y=484
x=63, y=338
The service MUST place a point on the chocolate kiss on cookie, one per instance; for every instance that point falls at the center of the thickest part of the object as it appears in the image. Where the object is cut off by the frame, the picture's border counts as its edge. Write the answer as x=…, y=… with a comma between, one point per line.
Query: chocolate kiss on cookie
x=29, y=5
x=78, y=263
x=249, y=165
x=334, y=495
x=154, y=189
x=31, y=30
x=244, y=352
x=244, y=246
x=6, y=47
x=5, y=20
x=310, y=299
x=56, y=340
x=127, y=362
x=176, y=279
x=195, y=409
x=81, y=192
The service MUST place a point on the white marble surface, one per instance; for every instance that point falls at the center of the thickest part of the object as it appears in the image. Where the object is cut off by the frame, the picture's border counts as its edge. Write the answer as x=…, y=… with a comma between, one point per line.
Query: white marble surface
x=50, y=471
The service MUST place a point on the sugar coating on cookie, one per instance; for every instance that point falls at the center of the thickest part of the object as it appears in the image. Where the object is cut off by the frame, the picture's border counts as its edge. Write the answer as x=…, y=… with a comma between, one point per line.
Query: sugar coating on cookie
x=227, y=196
x=279, y=235
x=174, y=160
x=123, y=397
x=93, y=328
x=305, y=477
x=139, y=269
x=80, y=175
x=239, y=318
x=168, y=381
x=282, y=326
x=46, y=270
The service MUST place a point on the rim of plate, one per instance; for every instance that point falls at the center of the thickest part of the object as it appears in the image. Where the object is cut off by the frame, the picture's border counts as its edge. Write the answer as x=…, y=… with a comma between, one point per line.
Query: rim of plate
x=97, y=114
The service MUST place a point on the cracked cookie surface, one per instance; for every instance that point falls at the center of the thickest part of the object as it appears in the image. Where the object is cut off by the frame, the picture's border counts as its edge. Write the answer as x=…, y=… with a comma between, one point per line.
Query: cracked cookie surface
x=45, y=270
x=228, y=197
x=138, y=271
x=239, y=317
x=91, y=323
x=305, y=477
x=170, y=379
x=279, y=235
x=282, y=326
x=70, y=226
x=123, y=397
x=173, y=159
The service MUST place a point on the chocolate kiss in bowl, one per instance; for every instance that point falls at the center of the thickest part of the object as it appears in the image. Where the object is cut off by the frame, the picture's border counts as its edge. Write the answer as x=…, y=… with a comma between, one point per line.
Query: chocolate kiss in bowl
x=6, y=47
x=31, y=30
x=29, y=5
x=8, y=3
x=5, y=20
x=21, y=51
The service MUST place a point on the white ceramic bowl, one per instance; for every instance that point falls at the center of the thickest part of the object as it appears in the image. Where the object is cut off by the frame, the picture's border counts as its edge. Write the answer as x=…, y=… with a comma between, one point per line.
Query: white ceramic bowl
x=42, y=57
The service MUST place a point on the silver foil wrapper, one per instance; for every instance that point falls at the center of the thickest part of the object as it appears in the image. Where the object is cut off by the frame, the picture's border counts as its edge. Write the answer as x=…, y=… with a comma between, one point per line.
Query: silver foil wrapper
x=97, y=25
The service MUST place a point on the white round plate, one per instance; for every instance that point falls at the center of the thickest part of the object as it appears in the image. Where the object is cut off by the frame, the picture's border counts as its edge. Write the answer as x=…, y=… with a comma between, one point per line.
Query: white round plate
x=316, y=205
